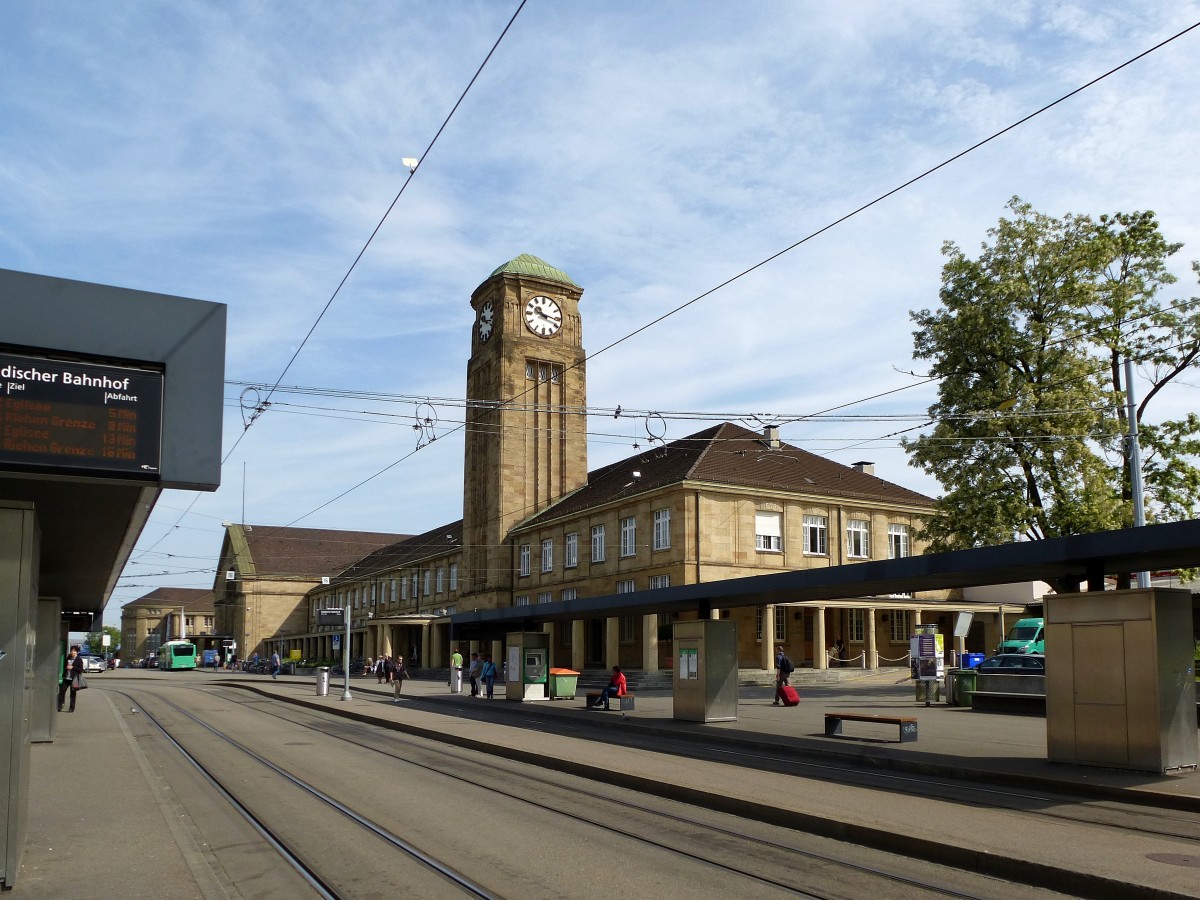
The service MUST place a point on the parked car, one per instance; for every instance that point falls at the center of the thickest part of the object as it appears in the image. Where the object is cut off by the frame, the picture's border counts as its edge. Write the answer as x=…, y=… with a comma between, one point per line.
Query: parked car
x=1015, y=664
x=94, y=664
x=150, y=662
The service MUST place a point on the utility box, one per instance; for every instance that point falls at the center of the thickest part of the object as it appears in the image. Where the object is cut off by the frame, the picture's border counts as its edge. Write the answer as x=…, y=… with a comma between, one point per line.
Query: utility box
x=527, y=673
x=1120, y=685
x=705, y=671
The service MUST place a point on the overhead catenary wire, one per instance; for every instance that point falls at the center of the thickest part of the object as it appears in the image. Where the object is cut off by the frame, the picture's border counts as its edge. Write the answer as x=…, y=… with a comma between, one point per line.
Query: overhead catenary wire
x=762, y=262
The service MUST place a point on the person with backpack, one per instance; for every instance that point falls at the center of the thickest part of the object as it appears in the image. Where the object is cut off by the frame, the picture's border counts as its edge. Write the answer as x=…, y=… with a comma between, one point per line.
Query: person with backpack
x=783, y=670
x=488, y=674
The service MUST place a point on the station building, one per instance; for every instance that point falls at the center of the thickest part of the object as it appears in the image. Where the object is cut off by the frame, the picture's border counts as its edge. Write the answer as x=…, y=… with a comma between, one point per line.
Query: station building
x=155, y=618
x=537, y=526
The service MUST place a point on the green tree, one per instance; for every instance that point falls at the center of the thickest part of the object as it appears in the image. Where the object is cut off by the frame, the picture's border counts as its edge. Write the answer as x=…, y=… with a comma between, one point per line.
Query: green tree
x=1029, y=427
x=97, y=645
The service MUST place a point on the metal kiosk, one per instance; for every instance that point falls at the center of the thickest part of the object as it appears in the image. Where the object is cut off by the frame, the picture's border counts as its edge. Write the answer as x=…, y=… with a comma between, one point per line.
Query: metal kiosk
x=705, y=671
x=527, y=665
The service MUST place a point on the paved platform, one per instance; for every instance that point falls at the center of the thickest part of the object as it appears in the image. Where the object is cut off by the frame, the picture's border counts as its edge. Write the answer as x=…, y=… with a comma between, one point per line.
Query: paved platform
x=97, y=808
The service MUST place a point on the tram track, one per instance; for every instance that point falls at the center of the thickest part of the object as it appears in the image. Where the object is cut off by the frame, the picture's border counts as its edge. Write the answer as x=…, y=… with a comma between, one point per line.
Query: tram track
x=1121, y=818
x=522, y=786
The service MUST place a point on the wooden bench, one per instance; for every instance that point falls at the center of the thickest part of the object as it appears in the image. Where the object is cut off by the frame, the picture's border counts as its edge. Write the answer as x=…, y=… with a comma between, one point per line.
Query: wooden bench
x=907, y=724
x=625, y=703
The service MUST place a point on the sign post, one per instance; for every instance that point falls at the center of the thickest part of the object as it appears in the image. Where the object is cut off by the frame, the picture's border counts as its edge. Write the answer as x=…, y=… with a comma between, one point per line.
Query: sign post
x=339, y=617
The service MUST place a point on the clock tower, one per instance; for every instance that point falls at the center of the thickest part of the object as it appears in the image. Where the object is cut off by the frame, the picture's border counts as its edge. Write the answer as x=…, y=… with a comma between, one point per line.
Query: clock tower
x=526, y=443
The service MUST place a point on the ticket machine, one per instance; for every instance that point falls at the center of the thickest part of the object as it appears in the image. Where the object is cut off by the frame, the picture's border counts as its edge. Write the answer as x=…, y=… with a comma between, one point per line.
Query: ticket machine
x=527, y=666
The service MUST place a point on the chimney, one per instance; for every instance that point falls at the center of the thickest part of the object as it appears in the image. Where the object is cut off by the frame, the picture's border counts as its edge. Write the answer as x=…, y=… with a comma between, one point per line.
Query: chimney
x=771, y=436
x=867, y=468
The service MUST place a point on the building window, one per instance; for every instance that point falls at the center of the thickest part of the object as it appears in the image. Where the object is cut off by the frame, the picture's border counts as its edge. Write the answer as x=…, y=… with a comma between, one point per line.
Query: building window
x=815, y=537
x=597, y=543
x=521, y=600
x=768, y=531
x=758, y=619
x=628, y=536
x=662, y=529
x=898, y=541
x=629, y=629
x=548, y=556
x=441, y=580
x=544, y=597
x=530, y=369
x=858, y=539
x=571, y=553
x=524, y=570
x=626, y=587
x=901, y=625
x=659, y=581
x=428, y=582
x=858, y=628
x=413, y=581
x=393, y=590
x=568, y=594
x=454, y=576
x=780, y=624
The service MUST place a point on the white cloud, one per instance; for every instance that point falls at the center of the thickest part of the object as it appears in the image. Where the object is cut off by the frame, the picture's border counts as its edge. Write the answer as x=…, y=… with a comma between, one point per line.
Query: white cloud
x=244, y=152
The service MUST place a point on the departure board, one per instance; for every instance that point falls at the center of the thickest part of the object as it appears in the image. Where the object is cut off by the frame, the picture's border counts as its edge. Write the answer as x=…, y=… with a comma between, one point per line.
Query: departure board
x=75, y=417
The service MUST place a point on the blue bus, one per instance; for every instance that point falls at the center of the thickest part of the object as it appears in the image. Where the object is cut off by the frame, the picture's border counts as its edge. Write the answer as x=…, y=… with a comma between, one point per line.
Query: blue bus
x=177, y=655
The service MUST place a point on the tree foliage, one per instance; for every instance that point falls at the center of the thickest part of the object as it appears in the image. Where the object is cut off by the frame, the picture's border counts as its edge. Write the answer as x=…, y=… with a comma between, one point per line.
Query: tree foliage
x=96, y=643
x=1029, y=428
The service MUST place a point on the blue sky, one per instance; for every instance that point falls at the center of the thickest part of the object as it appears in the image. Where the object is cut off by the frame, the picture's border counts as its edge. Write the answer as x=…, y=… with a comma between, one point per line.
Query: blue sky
x=242, y=152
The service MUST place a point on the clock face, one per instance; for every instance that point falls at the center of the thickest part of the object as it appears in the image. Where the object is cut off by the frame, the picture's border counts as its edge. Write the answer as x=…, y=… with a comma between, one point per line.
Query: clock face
x=487, y=321
x=542, y=316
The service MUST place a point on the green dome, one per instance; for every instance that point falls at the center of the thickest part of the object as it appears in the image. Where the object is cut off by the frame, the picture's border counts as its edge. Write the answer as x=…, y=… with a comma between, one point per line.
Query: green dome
x=527, y=264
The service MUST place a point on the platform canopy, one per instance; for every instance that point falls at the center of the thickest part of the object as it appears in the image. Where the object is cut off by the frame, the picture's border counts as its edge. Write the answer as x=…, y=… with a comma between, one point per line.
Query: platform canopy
x=107, y=397
x=1077, y=559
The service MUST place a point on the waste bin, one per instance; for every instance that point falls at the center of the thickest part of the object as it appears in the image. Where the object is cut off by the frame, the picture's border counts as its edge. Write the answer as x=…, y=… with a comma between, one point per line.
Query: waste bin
x=952, y=687
x=966, y=684
x=563, y=683
x=322, y=681
x=971, y=660
x=928, y=690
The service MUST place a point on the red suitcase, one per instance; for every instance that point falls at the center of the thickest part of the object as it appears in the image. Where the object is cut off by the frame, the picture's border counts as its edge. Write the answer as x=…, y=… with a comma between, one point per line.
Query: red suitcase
x=787, y=695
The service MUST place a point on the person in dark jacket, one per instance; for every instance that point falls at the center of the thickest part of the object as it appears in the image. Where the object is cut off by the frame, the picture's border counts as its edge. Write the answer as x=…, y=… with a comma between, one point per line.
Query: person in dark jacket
x=72, y=667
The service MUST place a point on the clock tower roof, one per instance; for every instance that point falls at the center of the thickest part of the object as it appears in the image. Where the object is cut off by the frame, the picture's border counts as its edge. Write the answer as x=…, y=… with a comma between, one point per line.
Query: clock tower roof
x=527, y=264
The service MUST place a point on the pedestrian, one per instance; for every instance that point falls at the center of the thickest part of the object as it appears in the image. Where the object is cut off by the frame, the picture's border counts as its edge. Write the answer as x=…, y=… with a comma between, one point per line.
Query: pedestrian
x=474, y=672
x=783, y=669
x=275, y=665
x=456, y=661
x=616, y=688
x=839, y=652
x=389, y=669
x=488, y=674
x=72, y=669
x=399, y=673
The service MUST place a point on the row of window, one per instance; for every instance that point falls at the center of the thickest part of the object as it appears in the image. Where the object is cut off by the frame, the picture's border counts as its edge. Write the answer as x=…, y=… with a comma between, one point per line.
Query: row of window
x=660, y=540
x=768, y=536
x=625, y=586
x=426, y=583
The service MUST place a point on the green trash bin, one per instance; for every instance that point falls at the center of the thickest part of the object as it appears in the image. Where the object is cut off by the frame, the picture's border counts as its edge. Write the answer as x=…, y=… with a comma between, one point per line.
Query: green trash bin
x=563, y=683
x=966, y=684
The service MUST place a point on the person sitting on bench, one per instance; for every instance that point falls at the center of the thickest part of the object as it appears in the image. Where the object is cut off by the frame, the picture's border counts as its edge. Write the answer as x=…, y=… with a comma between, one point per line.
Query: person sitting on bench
x=616, y=688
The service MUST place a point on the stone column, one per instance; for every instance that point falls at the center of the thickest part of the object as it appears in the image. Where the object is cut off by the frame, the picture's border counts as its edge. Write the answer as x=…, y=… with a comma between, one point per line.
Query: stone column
x=650, y=642
x=612, y=642
x=820, y=644
x=385, y=639
x=767, y=644
x=872, y=651
x=437, y=650
x=578, y=644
